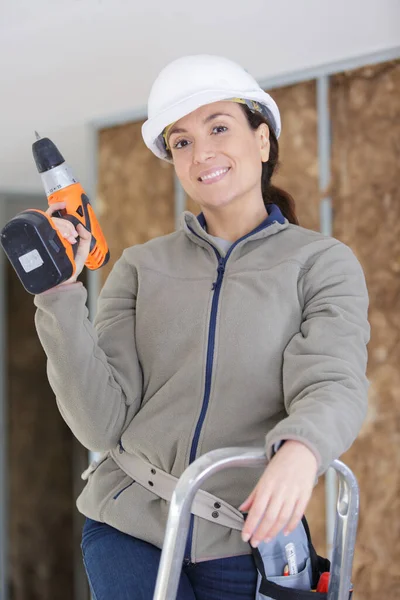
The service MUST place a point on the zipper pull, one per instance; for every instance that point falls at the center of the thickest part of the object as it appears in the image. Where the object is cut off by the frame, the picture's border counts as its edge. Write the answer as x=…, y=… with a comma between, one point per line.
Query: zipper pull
x=220, y=271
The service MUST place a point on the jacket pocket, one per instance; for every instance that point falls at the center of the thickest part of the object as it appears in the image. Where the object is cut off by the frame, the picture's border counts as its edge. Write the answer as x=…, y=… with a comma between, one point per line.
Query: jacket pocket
x=125, y=487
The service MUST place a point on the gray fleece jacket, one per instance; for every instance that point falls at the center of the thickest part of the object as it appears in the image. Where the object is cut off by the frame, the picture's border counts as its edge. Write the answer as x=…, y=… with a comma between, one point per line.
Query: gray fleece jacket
x=192, y=350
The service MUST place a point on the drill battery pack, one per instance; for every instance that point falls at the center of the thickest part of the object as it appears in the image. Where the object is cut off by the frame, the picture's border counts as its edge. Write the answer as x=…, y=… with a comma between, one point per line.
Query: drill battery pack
x=40, y=257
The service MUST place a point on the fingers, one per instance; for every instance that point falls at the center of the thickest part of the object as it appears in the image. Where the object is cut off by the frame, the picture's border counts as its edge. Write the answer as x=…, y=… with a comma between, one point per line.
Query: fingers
x=84, y=246
x=82, y=251
x=84, y=234
x=262, y=521
x=66, y=229
x=71, y=236
x=263, y=525
x=257, y=512
x=276, y=517
x=54, y=207
x=297, y=515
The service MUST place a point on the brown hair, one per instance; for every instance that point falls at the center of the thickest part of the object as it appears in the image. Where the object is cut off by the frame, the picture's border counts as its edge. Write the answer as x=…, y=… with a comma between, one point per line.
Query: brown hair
x=272, y=194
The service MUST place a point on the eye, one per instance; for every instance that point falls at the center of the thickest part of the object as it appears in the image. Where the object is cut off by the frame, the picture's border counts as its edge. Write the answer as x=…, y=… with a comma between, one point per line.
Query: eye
x=180, y=144
x=220, y=128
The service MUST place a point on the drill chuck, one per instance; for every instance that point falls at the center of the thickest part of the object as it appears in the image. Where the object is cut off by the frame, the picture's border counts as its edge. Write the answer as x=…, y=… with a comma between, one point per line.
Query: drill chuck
x=46, y=154
x=55, y=173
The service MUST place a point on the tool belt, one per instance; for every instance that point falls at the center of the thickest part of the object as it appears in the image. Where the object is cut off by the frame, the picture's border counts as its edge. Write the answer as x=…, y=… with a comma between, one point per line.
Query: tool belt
x=270, y=559
x=313, y=570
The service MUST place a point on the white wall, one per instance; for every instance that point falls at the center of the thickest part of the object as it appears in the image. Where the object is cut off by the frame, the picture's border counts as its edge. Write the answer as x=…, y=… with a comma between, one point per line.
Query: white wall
x=66, y=63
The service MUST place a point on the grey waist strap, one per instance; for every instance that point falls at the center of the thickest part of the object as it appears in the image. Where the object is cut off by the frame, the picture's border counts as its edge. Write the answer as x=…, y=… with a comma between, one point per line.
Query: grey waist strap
x=205, y=505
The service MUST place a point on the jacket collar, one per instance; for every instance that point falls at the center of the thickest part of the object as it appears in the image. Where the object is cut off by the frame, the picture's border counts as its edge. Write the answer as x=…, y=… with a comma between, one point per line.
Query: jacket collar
x=194, y=226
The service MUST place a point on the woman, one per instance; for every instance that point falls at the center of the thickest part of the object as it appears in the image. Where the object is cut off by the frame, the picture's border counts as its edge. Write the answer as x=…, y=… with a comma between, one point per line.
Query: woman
x=240, y=329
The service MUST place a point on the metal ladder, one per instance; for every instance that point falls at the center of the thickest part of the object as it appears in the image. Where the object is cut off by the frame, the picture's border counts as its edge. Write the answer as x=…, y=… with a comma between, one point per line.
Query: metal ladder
x=217, y=460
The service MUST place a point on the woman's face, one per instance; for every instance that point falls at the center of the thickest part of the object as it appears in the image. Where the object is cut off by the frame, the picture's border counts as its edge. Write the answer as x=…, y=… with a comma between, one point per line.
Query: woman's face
x=218, y=156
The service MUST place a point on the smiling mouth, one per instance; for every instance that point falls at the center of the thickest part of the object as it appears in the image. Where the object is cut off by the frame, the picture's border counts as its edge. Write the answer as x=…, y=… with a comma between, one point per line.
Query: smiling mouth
x=214, y=176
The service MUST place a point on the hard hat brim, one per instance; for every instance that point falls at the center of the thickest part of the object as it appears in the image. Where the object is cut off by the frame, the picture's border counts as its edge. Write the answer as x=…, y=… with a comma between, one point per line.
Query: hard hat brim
x=153, y=128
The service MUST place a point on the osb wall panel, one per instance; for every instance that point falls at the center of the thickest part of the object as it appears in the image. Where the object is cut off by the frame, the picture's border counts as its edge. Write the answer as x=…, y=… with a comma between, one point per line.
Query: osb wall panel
x=298, y=172
x=135, y=191
x=39, y=463
x=366, y=184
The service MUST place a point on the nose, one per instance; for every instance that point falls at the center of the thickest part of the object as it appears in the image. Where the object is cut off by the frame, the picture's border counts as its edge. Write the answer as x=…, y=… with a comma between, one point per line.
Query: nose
x=202, y=151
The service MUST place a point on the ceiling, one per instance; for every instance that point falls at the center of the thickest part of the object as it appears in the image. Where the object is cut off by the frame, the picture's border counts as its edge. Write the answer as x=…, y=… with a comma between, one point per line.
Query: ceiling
x=67, y=63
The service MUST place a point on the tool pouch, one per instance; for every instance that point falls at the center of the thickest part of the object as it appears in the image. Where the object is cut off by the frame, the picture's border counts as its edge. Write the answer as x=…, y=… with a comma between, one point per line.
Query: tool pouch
x=270, y=561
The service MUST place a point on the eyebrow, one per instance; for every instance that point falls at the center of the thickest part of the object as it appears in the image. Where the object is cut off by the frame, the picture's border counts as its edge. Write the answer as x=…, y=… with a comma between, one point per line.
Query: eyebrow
x=206, y=120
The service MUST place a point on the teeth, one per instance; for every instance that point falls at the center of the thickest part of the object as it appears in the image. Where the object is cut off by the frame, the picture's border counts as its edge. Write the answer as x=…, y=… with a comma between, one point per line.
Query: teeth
x=215, y=174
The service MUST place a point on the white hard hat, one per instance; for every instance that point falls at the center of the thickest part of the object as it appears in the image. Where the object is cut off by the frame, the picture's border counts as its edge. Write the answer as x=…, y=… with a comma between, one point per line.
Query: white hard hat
x=193, y=81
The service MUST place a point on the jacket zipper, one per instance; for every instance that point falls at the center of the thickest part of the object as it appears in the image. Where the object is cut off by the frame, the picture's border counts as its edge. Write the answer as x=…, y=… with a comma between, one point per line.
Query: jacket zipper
x=209, y=368
x=210, y=357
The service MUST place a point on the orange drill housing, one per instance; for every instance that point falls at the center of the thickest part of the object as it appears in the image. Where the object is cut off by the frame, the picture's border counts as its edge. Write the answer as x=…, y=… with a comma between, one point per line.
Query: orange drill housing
x=79, y=207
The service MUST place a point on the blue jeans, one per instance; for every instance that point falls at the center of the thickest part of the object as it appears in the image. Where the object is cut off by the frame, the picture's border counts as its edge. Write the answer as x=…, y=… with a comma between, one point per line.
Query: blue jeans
x=121, y=567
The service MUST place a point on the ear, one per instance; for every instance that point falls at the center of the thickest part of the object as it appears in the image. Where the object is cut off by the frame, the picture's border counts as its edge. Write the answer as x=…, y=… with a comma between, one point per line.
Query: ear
x=263, y=131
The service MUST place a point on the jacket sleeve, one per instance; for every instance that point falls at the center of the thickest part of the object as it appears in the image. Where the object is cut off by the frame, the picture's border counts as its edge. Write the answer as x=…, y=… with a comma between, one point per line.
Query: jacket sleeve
x=93, y=370
x=324, y=364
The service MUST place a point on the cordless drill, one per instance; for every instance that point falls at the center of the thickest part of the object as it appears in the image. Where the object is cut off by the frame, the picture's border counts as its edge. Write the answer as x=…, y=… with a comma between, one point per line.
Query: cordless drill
x=39, y=254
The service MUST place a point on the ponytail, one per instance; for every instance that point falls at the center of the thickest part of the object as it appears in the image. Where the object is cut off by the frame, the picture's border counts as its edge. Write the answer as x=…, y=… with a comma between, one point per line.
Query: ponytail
x=272, y=194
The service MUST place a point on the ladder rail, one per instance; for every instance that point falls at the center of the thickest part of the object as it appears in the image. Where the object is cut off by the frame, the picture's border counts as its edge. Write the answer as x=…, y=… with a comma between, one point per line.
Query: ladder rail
x=217, y=460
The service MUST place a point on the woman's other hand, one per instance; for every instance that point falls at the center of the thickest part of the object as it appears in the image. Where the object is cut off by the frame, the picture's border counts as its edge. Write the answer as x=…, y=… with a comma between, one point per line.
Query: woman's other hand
x=68, y=232
x=281, y=495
